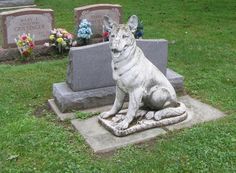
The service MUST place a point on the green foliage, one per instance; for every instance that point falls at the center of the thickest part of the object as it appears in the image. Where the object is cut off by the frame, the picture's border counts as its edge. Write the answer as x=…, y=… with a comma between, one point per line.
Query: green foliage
x=203, y=49
x=84, y=115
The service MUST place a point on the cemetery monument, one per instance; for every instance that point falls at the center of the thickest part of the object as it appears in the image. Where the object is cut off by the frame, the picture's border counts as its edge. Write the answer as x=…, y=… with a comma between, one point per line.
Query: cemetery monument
x=152, y=98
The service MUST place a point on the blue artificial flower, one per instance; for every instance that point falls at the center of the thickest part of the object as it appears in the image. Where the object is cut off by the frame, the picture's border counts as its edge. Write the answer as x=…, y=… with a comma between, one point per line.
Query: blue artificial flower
x=85, y=30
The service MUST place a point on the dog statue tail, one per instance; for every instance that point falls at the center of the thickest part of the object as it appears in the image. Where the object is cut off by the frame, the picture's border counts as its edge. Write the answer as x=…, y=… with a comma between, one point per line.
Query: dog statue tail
x=169, y=113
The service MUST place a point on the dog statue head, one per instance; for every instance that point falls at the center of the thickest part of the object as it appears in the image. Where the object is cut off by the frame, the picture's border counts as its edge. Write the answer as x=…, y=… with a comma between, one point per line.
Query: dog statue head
x=121, y=36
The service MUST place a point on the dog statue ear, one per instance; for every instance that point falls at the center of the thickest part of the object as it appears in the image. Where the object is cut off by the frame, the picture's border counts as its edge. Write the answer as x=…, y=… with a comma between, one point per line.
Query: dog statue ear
x=108, y=23
x=133, y=23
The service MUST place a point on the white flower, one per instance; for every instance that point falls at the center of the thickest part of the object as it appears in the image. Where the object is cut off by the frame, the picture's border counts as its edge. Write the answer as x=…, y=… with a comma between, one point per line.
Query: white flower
x=74, y=43
x=46, y=44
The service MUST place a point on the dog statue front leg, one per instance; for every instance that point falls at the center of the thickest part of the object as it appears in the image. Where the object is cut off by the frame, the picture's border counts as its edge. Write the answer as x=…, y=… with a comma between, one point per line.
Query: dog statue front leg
x=135, y=101
x=119, y=101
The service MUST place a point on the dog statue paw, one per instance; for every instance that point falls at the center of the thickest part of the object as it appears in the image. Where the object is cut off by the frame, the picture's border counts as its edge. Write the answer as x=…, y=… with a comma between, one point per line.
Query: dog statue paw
x=106, y=114
x=122, y=125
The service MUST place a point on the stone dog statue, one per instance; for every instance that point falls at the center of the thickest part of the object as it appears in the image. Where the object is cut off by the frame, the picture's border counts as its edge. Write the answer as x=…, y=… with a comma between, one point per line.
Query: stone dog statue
x=136, y=76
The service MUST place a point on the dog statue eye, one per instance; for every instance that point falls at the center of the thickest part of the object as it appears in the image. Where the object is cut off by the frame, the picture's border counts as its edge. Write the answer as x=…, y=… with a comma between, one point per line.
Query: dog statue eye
x=125, y=36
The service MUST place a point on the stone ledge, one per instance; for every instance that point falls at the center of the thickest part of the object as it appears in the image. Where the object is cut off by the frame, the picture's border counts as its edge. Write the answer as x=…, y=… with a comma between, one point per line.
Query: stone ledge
x=68, y=100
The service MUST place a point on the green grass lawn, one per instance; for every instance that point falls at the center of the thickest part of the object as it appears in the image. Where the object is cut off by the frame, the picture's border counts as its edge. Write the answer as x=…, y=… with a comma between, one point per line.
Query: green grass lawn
x=204, y=52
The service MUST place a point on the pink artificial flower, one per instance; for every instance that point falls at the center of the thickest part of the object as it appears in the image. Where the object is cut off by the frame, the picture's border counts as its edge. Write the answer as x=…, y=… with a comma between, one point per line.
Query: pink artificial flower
x=31, y=44
x=69, y=36
x=59, y=34
x=24, y=37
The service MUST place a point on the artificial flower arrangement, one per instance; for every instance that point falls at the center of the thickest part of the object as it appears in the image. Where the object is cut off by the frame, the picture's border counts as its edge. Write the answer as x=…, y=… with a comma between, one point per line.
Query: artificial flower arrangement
x=25, y=45
x=105, y=35
x=61, y=39
x=139, y=31
x=84, y=32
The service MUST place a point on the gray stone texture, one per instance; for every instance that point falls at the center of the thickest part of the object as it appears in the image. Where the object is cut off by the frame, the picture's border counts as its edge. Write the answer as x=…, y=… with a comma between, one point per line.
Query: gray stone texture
x=90, y=66
x=7, y=3
x=101, y=140
x=67, y=100
x=176, y=80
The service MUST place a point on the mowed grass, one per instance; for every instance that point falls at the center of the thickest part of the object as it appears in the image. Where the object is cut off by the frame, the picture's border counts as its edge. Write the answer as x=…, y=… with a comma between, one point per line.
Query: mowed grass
x=204, y=51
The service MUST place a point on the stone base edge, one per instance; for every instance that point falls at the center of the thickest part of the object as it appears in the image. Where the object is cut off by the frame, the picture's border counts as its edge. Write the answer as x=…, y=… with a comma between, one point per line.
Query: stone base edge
x=13, y=53
x=4, y=8
x=59, y=114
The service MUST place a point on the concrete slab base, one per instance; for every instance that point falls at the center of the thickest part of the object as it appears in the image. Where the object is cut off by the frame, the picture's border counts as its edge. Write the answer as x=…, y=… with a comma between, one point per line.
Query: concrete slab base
x=198, y=112
x=68, y=100
x=102, y=140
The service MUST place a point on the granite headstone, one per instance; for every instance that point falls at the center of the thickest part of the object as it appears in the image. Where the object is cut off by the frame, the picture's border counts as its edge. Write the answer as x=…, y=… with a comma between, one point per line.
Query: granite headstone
x=95, y=14
x=90, y=66
x=37, y=22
